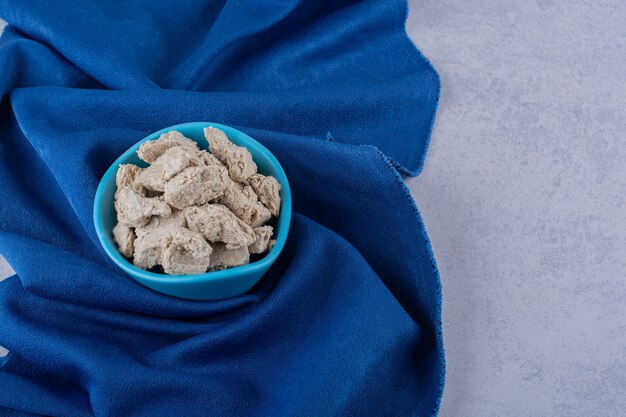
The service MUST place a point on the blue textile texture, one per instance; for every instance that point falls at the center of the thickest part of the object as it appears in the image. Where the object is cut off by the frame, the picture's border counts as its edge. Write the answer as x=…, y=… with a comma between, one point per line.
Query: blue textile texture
x=348, y=320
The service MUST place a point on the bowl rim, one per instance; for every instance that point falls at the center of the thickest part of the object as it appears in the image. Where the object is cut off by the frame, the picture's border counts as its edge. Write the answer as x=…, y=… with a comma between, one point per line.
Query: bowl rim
x=283, y=220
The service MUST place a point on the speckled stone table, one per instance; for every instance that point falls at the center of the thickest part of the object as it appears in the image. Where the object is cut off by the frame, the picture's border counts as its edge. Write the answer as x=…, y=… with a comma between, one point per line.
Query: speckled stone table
x=524, y=198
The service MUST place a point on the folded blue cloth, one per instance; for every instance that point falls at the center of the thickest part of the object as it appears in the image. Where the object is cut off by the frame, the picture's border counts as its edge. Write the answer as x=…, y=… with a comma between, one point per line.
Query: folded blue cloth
x=346, y=323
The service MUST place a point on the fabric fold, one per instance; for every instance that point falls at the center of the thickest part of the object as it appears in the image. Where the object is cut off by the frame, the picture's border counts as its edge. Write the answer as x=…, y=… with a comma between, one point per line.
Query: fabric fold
x=346, y=322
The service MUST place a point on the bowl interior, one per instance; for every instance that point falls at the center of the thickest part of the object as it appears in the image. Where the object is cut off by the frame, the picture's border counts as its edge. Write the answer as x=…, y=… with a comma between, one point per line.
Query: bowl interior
x=105, y=216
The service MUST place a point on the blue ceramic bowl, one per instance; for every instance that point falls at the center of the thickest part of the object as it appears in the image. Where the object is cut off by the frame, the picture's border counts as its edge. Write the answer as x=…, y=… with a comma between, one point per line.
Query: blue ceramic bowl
x=210, y=285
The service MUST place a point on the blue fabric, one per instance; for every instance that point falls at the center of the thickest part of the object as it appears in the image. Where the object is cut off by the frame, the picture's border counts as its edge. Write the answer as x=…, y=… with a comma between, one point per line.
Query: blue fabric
x=346, y=323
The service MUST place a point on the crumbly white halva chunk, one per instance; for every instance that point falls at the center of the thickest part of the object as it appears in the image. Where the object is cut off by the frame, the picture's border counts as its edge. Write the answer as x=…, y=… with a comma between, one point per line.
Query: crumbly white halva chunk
x=218, y=224
x=268, y=191
x=175, y=219
x=125, y=177
x=209, y=159
x=148, y=250
x=244, y=203
x=134, y=209
x=124, y=236
x=261, y=243
x=223, y=257
x=237, y=159
x=170, y=163
x=151, y=150
x=195, y=186
x=185, y=252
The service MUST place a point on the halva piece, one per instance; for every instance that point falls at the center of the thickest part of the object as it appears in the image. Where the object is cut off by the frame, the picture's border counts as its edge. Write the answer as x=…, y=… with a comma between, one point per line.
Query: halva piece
x=149, y=151
x=133, y=209
x=262, y=239
x=124, y=236
x=237, y=159
x=194, y=186
x=223, y=258
x=170, y=163
x=268, y=191
x=148, y=247
x=125, y=177
x=185, y=252
x=218, y=224
x=244, y=203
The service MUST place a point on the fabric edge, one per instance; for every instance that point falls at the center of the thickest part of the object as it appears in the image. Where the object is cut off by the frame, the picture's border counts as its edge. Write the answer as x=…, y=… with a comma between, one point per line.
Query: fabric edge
x=420, y=165
x=422, y=229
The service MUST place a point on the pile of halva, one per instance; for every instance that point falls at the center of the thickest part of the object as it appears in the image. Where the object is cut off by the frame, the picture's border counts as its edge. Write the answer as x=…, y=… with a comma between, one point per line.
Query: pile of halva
x=192, y=211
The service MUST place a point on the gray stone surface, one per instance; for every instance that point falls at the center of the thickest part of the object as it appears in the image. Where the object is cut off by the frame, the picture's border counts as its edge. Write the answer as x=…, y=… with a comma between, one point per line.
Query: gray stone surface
x=5, y=269
x=523, y=195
